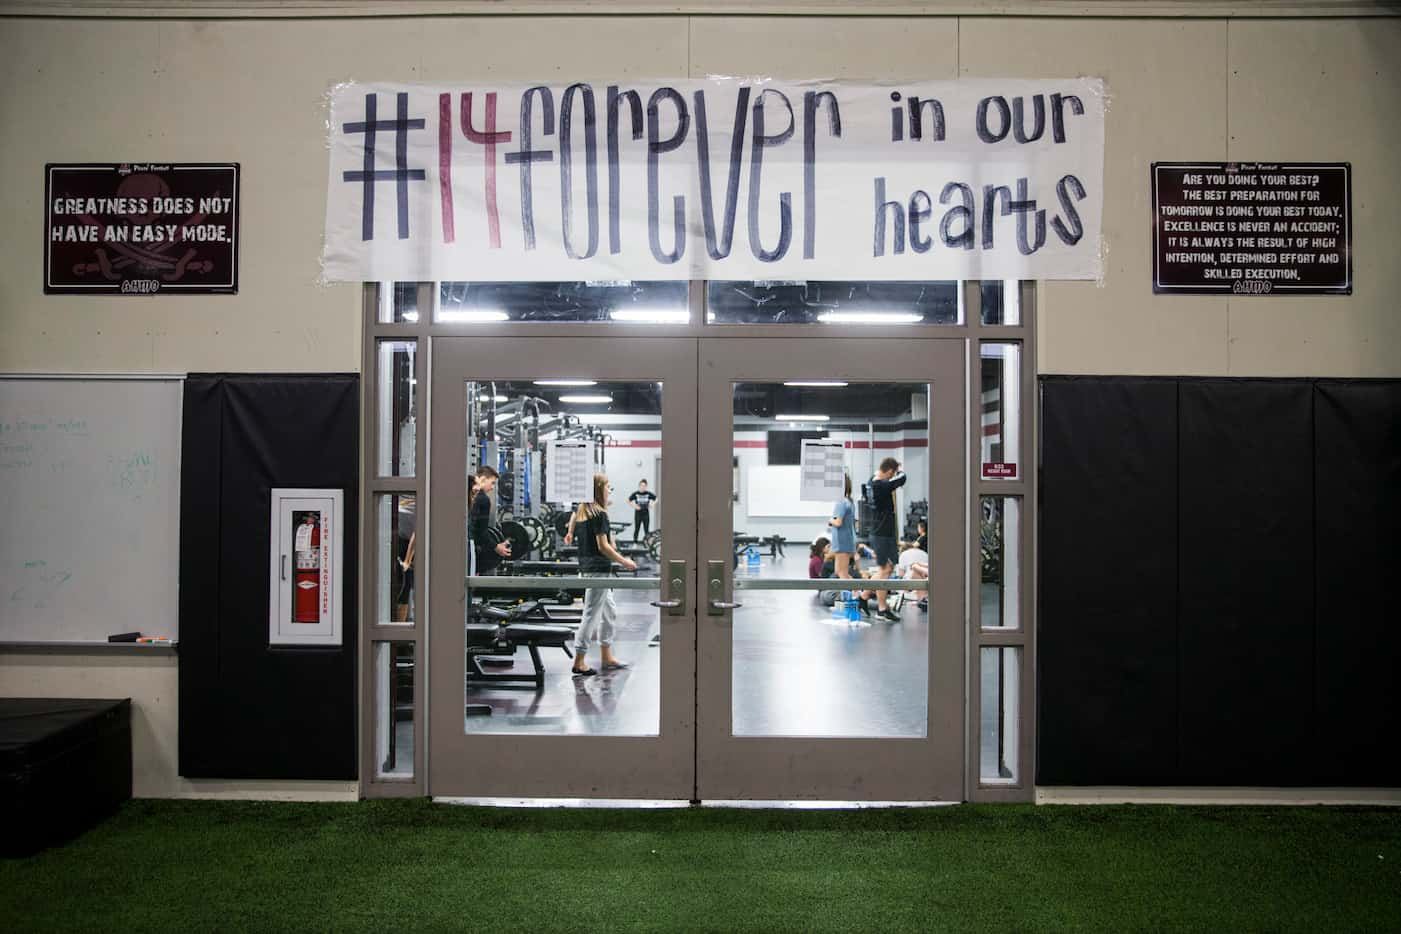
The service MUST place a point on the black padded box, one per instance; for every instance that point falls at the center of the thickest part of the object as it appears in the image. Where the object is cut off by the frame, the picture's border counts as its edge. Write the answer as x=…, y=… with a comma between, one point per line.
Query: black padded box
x=64, y=765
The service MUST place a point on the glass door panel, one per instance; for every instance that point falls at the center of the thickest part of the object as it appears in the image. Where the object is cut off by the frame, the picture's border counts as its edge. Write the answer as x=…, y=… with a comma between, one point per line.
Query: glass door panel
x=831, y=480
x=556, y=465
x=551, y=643
x=831, y=647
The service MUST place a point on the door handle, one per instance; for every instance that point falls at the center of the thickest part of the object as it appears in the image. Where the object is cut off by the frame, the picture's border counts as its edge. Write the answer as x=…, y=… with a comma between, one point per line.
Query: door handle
x=284, y=567
x=715, y=603
x=675, y=601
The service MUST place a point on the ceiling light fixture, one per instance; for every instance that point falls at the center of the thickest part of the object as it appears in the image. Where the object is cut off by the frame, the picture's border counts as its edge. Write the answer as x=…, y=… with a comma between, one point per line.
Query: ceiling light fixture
x=651, y=315
x=869, y=317
x=585, y=398
x=566, y=382
x=802, y=418
x=815, y=382
x=471, y=315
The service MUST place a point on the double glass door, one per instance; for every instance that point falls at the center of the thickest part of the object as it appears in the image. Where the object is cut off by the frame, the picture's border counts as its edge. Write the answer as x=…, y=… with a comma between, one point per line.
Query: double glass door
x=671, y=516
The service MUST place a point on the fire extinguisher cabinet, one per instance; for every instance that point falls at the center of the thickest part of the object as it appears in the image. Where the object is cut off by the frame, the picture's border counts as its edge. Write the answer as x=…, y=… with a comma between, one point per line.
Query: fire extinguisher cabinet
x=305, y=544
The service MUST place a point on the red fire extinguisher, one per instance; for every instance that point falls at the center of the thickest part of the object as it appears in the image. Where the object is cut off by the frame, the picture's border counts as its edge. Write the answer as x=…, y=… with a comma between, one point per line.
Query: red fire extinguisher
x=307, y=583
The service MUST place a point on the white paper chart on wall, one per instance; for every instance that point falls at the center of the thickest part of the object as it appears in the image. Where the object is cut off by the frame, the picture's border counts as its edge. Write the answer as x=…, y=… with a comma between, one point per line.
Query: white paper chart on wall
x=823, y=469
x=569, y=472
x=90, y=504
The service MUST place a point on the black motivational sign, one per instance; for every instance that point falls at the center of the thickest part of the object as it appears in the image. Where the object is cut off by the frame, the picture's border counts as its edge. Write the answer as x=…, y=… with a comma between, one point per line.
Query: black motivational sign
x=141, y=228
x=1252, y=228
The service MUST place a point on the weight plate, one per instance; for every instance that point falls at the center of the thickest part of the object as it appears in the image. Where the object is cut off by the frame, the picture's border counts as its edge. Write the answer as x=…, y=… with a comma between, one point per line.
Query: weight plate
x=535, y=529
x=518, y=537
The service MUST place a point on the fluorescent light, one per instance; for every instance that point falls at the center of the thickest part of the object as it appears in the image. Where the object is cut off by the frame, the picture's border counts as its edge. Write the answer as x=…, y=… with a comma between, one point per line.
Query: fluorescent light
x=472, y=315
x=801, y=418
x=584, y=397
x=411, y=316
x=869, y=317
x=651, y=316
x=493, y=399
x=815, y=382
x=566, y=382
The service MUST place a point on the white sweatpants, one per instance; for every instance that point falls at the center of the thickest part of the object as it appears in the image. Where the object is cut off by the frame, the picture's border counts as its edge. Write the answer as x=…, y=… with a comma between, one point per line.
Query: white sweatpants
x=597, y=623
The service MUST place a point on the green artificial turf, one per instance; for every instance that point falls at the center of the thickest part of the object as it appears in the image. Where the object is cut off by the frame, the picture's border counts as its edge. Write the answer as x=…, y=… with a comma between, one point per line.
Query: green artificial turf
x=389, y=866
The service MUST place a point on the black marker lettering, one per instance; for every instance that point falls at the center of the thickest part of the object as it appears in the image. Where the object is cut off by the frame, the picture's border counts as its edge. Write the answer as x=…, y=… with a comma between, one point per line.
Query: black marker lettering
x=1038, y=109
x=882, y=206
x=615, y=101
x=1005, y=118
x=920, y=210
x=566, y=159
x=812, y=100
x=917, y=106
x=962, y=213
x=526, y=156
x=719, y=248
x=1068, y=185
x=655, y=147
x=756, y=168
x=1058, y=104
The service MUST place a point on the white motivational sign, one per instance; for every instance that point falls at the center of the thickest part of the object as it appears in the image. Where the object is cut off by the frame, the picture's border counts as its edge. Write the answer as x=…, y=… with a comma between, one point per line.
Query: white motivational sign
x=569, y=472
x=823, y=470
x=719, y=178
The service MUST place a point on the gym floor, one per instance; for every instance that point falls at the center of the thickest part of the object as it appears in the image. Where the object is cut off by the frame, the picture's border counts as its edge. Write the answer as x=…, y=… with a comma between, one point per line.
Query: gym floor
x=797, y=672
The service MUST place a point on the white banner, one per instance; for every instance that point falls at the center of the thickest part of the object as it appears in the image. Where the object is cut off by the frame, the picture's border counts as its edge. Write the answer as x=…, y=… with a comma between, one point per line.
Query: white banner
x=719, y=178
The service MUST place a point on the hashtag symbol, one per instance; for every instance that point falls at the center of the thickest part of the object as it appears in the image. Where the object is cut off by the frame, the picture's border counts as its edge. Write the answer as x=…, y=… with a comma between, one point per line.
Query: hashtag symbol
x=401, y=174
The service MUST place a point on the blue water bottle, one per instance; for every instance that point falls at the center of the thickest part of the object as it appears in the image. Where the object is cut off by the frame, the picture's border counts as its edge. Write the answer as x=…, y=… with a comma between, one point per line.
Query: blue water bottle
x=839, y=606
x=853, y=608
x=751, y=559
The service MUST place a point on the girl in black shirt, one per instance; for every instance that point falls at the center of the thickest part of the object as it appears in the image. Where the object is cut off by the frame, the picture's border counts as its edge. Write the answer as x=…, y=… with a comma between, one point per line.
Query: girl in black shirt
x=596, y=556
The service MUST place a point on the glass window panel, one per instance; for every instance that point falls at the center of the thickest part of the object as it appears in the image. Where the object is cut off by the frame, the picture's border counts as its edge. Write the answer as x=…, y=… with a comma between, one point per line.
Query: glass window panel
x=620, y=301
x=394, y=692
x=1000, y=556
x=851, y=303
x=1001, y=302
x=998, y=761
x=799, y=656
x=396, y=405
x=396, y=544
x=398, y=302
x=1001, y=410
x=547, y=440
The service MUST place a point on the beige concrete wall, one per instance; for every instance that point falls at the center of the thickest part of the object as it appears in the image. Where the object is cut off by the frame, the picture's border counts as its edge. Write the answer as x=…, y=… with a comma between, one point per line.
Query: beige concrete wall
x=152, y=684
x=253, y=92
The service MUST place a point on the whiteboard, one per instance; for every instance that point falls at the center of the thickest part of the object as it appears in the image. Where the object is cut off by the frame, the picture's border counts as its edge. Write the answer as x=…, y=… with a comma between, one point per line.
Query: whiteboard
x=89, y=507
x=775, y=490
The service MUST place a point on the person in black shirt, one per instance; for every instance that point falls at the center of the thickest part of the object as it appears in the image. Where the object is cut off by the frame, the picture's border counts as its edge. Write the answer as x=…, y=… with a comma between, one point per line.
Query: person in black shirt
x=487, y=542
x=641, y=500
x=596, y=558
x=884, y=529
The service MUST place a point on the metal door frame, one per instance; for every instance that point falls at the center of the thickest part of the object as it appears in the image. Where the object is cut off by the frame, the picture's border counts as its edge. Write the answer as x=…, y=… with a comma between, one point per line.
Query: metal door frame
x=872, y=769
x=376, y=300
x=529, y=765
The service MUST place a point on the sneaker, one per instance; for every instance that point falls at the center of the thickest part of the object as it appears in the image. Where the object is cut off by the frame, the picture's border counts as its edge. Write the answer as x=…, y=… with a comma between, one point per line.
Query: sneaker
x=886, y=614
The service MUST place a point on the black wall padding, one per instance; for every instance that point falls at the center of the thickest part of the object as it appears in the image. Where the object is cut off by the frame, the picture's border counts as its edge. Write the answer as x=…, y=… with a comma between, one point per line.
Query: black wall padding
x=1245, y=620
x=1357, y=424
x=1244, y=532
x=1108, y=620
x=248, y=710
